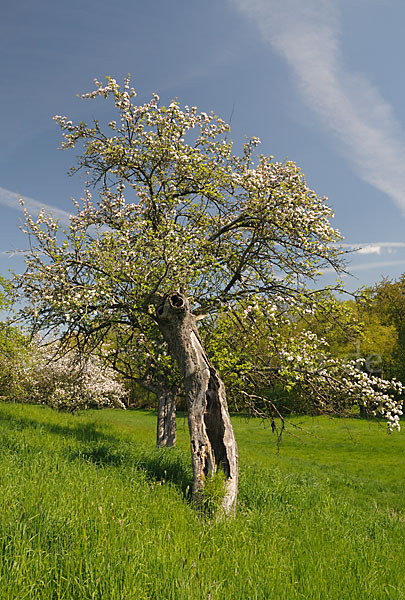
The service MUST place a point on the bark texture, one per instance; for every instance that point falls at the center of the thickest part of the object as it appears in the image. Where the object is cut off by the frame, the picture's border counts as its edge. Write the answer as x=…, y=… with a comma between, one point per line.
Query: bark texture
x=166, y=430
x=166, y=419
x=212, y=439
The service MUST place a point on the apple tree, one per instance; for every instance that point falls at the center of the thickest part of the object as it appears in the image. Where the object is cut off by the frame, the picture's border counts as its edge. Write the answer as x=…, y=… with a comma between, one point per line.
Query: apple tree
x=173, y=226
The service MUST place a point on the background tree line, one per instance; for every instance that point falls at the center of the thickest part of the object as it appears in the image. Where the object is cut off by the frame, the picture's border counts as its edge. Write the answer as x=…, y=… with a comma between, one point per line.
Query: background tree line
x=142, y=373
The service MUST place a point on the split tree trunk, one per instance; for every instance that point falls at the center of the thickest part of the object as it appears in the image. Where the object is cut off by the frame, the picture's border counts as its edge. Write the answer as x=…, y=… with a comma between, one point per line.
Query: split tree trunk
x=212, y=440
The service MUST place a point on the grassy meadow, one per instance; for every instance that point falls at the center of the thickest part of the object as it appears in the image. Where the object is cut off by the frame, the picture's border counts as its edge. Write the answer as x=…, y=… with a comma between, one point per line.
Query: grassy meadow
x=89, y=509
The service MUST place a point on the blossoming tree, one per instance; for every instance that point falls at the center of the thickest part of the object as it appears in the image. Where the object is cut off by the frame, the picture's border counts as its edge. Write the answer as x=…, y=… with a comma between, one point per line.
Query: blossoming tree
x=267, y=355
x=43, y=374
x=180, y=227
x=70, y=381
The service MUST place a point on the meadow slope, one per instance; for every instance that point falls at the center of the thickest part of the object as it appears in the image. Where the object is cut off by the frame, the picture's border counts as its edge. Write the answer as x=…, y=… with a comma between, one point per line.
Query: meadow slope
x=91, y=510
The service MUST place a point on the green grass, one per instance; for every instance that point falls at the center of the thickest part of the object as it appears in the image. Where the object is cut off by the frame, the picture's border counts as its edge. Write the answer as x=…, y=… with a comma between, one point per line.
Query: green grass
x=90, y=509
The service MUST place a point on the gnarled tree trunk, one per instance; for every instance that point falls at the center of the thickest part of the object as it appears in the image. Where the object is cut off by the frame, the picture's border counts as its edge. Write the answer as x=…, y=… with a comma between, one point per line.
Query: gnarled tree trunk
x=213, y=444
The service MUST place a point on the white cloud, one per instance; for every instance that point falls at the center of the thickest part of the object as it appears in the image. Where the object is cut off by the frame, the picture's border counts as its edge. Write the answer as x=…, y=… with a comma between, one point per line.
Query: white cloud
x=375, y=247
x=306, y=34
x=12, y=200
x=370, y=249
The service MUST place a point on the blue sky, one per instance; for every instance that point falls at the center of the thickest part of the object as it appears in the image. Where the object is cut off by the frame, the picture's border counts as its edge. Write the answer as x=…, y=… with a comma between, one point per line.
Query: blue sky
x=319, y=81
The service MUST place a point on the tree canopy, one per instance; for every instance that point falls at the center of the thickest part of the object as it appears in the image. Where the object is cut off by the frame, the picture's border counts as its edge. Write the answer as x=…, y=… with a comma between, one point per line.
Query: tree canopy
x=176, y=210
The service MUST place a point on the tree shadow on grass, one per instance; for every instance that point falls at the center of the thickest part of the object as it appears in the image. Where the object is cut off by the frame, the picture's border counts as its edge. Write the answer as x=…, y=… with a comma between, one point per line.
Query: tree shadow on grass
x=105, y=450
x=165, y=465
x=79, y=431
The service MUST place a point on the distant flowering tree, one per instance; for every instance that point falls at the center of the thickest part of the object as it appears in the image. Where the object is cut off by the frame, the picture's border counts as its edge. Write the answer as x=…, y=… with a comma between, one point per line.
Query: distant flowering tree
x=181, y=227
x=71, y=382
x=41, y=374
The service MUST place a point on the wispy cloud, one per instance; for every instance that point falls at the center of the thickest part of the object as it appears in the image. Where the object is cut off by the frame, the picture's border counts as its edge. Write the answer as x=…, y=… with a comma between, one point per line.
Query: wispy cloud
x=306, y=34
x=12, y=200
x=370, y=249
x=375, y=247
